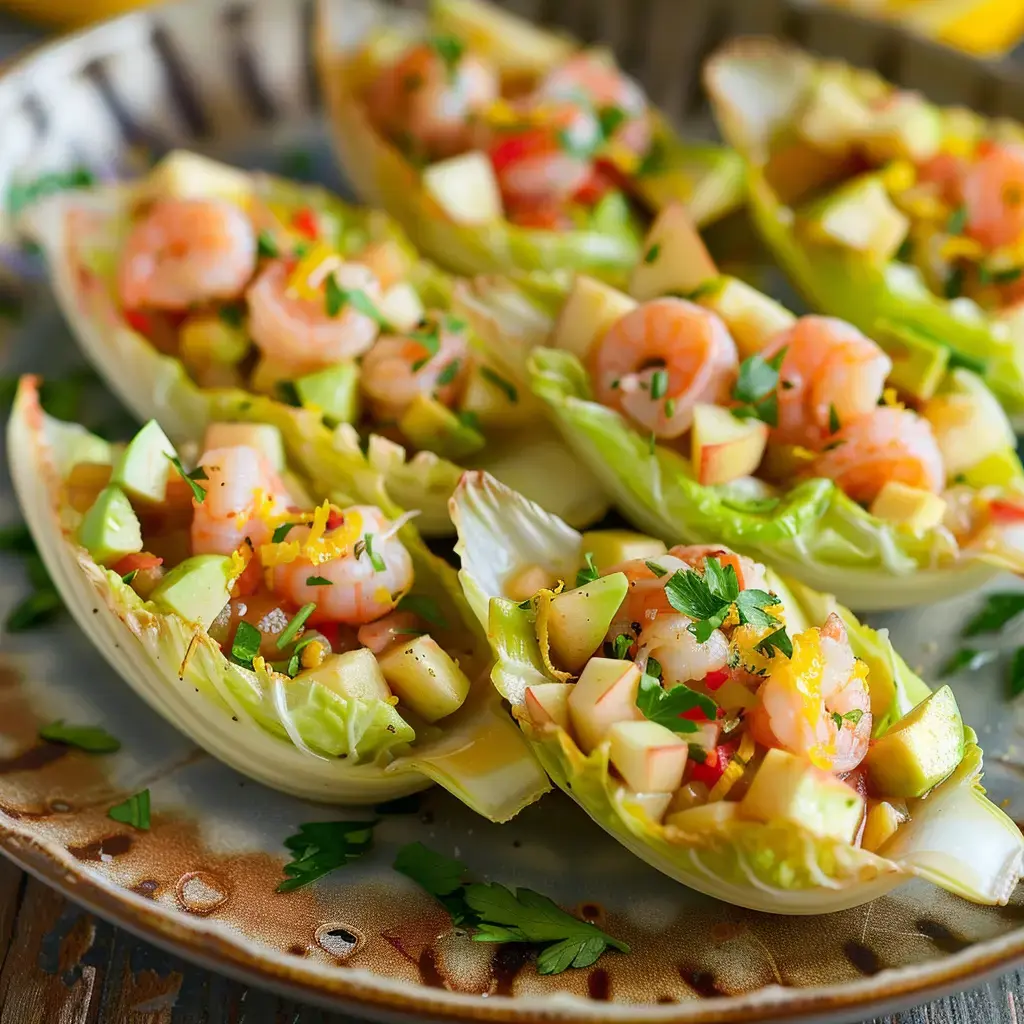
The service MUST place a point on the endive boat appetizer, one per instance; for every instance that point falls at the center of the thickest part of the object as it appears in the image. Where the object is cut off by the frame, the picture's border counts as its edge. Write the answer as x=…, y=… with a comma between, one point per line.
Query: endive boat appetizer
x=902, y=217
x=739, y=732
x=498, y=145
x=724, y=418
x=202, y=286
x=320, y=649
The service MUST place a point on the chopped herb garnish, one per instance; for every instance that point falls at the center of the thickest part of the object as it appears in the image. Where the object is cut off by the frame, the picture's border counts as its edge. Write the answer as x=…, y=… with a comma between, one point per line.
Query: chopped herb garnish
x=621, y=645
x=129, y=577
x=655, y=160
x=659, y=384
x=423, y=606
x=670, y=408
x=957, y=221
x=233, y=314
x=375, y=559
x=266, y=245
x=589, y=572
x=318, y=581
x=653, y=668
x=90, y=738
x=777, y=641
x=320, y=847
x=35, y=610
x=658, y=570
x=652, y=443
x=449, y=372
x=450, y=49
x=134, y=811
x=439, y=875
x=666, y=706
x=296, y=623
x=1006, y=276
x=453, y=323
x=337, y=298
x=468, y=418
x=1017, y=673
x=611, y=118
x=20, y=195
x=246, y=644
x=756, y=387
x=954, y=286
x=999, y=610
x=967, y=659
x=853, y=717
x=511, y=392
x=834, y=425
x=281, y=532
x=199, y=493
x=652, y=253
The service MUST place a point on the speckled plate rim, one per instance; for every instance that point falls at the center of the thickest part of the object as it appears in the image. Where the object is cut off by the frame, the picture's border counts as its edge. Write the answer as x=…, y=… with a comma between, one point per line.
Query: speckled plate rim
x=215, y=948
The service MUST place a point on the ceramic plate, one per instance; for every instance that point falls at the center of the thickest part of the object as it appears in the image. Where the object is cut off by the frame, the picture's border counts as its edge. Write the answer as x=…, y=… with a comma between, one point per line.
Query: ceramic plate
x=237, y=79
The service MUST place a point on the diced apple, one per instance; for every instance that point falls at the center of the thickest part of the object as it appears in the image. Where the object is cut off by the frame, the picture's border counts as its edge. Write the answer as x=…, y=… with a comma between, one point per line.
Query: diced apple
x=912, y=507
x=612, y=547
x=354, y=674
x=589, y=311
x=834, y=117
x=264, y=437
x=724, y=447
x=704, y=819
x=907, y=127
x=425, y=678
x=651, y=806
x=186, y=175
x=883, y=818
x=752, y=317
x=675, y=259
x=401, y=306
x=579, y=619
x=548, y=704
x=648, y=756
x=605, y=694
x=465, y=188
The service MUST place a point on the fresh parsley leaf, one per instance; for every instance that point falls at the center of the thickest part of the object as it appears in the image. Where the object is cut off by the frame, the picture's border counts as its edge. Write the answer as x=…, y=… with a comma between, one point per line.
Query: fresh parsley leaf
x=199, y=493
x=296, y=623
x=337, y=298
x=1006, y=276
x=708, y=599
x=665, y=706
x=655, y=160
x=721, y=580
x=468, y=418
x=425, y=607
x=670, y=407
x=246, y=644
x=652, y=443
x=129, y=577
x=621, y=645
x=834, y=425
x=91, y=738
x=320, y=847
x=281, y=532
x=266, y=245
x=611, y=118
x=777, y=641
x=998, y=611
x=658, y=570
x=297, y=163
x=35, y=610
x=689, y=594
x=134, y=811
x=653, y=668
x=1017, y=673
x=957, y=221
x=449, y=372
x=652, y=253
x=510, y=390
x=659, y=383
x=450, y=49
x=751, y=607
x=837, y=720
x=439, y=875
x=589, y=572
x=854, y=716
x=967, y=659
x=318, y=581
x=375, y=559
x=758, y=377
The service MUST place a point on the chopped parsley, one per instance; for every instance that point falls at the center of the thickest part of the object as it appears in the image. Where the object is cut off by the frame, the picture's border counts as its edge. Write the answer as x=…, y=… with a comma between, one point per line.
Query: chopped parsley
x=318, y=581
x=449, y=372
x=337, y=298
x=834, y=426
x=777, y=641
x=666, y=706
x=658, y=570
x=232, y=314
x=510, y=390
x=199, y=493
x=425, y=607
x=589, y=572
x=659, y=383
x=967, y=659
x=652, y=443
x=998, y=611
x=611, y=118
x=655, y=160
x=375, y=559
x=429, y=336
x=954, y=286
x=670, y=408
x=266, y=245
x=1006, y=276
x=652, y=253
x=90, y=738
x=469, y=419
x=756, y=386
x=134, y=811
x=957, y=222
x=653, y=668
x=281, y=532
x=129, y=577
x=450, y=49
x=621, y=645
x=246, y=644
x=853, y=717
x=439, y=875
x=320, y=847
x=297, y=621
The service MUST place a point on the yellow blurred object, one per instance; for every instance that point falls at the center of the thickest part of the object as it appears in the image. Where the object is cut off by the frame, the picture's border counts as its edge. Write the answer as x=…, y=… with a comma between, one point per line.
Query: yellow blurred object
x=985, y=28
x=70, y=13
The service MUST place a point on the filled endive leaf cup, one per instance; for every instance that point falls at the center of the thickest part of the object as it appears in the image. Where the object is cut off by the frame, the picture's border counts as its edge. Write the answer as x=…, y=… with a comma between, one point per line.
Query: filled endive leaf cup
x=740, y=732
x=499, y=145
x=203, y=293
x=902, y=217
x=723, y=418
x=318, y=648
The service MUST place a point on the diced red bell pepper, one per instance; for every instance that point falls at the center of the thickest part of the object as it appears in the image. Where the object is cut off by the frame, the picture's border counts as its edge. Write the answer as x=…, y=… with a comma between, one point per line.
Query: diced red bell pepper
x=714, y=680
x=305, y=222
x=714, y=767
x=546, y=216
x=137, y=562
x=518, y=147
x=139, y=321
x=1002, y=511
x=335, y=518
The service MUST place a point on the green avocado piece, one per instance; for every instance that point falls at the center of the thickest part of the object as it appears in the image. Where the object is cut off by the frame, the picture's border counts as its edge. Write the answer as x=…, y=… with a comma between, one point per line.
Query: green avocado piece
x=579, y=619
x=920, y=750
x=334, y=391
x=141, y=471
x=110, y=528
x=197, y=589
x=431, y=425
x=919, y=363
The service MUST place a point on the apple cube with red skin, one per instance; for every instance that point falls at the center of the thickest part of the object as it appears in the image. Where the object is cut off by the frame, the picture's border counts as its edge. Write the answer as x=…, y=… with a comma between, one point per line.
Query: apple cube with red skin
x=548, y=704
x=605, y=694
x=650, y=757
x=675, y=259
x=725, y=448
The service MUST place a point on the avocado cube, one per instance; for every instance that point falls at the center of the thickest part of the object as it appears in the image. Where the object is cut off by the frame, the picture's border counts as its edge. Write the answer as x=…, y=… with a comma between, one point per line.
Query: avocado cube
x=110, y=528
x=141, y=471
x=881, y=823
x=612, y=547
x=752, y=317
x=197, y=589
x=353, y=674
x=401, y=306
x=675, y=259
x=1000, y=469
x=206, y=340
x=919, y=363
x=334, y=391
x=578, y=619
x=432, y=426
x=920, y=750
x=788, y=788
x=911, y=507
x=264, y=437
x=425, y=678
x=590, y=310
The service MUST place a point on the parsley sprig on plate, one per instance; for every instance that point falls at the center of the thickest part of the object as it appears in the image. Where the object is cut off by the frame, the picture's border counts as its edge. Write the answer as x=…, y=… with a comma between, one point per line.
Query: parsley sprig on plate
x=321, y=846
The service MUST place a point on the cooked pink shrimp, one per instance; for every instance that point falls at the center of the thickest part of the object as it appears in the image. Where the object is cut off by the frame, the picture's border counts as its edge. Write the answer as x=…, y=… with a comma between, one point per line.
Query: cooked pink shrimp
x=425, y=101
x=646, y=597
x=242, y=491
x=297, y=332
x=660, y=360
x=399, y=367
x=887, y=444
x=366, y=582
x=749, y=574
x=187, y=251
x=993, y=191
x=396, y=628
x=591, y=79
x=816, y=704
x=676, y=649
x=830, y=371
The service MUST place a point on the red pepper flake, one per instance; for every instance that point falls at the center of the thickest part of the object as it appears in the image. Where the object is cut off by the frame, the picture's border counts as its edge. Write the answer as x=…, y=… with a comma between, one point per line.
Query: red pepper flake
x=335, y=519
x=305, y=222
x=714, y=767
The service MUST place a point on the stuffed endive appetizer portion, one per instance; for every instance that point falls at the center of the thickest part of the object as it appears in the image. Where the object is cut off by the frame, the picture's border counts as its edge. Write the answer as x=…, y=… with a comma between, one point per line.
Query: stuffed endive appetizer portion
x=741, y=733
x=202, y=283
x=722, y=417
x=319, y=648
x=902, y=217
x=498, y=145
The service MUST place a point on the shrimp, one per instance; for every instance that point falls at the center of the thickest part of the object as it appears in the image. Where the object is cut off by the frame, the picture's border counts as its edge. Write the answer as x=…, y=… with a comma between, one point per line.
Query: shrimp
x=829, y=371
x=400, y=367
x=660, y=360
x=398, y=627
x=993, y=193
x=749, y=574
x=816, y=704
x=677, y=650
x=297, y=332
x=366, y=581
x=426, y=100
x=888, y=444
x=242, y=493
x=646, y=597
x=184, y=252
